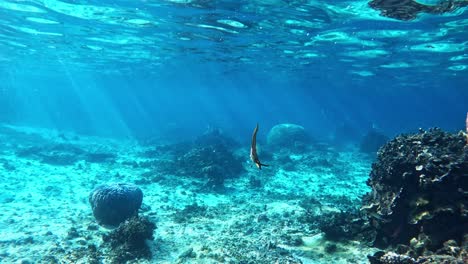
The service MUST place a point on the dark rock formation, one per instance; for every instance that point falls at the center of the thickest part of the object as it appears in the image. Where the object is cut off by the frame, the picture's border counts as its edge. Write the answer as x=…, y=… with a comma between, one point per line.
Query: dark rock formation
x=409, y=9
x=419, y=192
x=114, y=203
x=289, y=137
x=372, y=141
x=128, y=241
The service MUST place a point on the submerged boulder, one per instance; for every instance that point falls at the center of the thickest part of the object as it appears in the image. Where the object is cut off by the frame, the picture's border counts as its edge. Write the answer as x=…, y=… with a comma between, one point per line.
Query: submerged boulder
x=419, y=191
x=288, y=137
x=114, y=203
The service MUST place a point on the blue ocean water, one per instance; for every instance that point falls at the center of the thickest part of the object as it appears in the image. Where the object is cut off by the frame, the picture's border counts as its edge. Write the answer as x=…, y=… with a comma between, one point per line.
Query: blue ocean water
x=129, y=68
x=170, y=70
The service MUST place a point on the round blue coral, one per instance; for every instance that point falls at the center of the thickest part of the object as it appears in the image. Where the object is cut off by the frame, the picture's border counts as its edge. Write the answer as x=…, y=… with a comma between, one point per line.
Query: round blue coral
x=114, y=203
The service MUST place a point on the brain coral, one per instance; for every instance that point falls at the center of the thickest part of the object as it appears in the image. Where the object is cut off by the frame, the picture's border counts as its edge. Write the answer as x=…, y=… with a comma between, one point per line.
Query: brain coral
x=114, y=203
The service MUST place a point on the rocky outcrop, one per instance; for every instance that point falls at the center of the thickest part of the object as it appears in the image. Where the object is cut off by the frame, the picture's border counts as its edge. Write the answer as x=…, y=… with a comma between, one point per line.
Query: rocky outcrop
x=419, y=196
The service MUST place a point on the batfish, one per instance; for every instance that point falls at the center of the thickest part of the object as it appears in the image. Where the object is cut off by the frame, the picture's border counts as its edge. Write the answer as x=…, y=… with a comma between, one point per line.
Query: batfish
x=253, y=150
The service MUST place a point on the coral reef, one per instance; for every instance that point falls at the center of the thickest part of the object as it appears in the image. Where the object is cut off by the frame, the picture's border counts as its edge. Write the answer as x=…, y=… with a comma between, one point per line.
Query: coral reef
x=419, y=192
x=450, y=253
x=211, y=156
x=257, y=219
x=197, y=161
x=128, y=241
x=344, y=226
x=372, y=141
x=335, y=225
x=289, y=137
x=114, y=203
x=213, y=162
x=466, y=127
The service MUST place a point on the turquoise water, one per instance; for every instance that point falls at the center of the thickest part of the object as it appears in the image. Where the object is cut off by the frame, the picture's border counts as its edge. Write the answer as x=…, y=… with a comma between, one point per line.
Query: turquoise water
x=144, y=64
x=121, y=79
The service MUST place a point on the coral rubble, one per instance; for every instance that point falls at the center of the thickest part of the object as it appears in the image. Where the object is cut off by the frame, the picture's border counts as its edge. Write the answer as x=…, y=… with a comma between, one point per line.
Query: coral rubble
x=189, y=211
x=128, y=241
x=419, y=193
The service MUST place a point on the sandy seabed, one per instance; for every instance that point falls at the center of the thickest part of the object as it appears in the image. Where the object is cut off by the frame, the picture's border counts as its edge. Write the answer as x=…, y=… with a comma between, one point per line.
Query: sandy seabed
x=46, y=217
